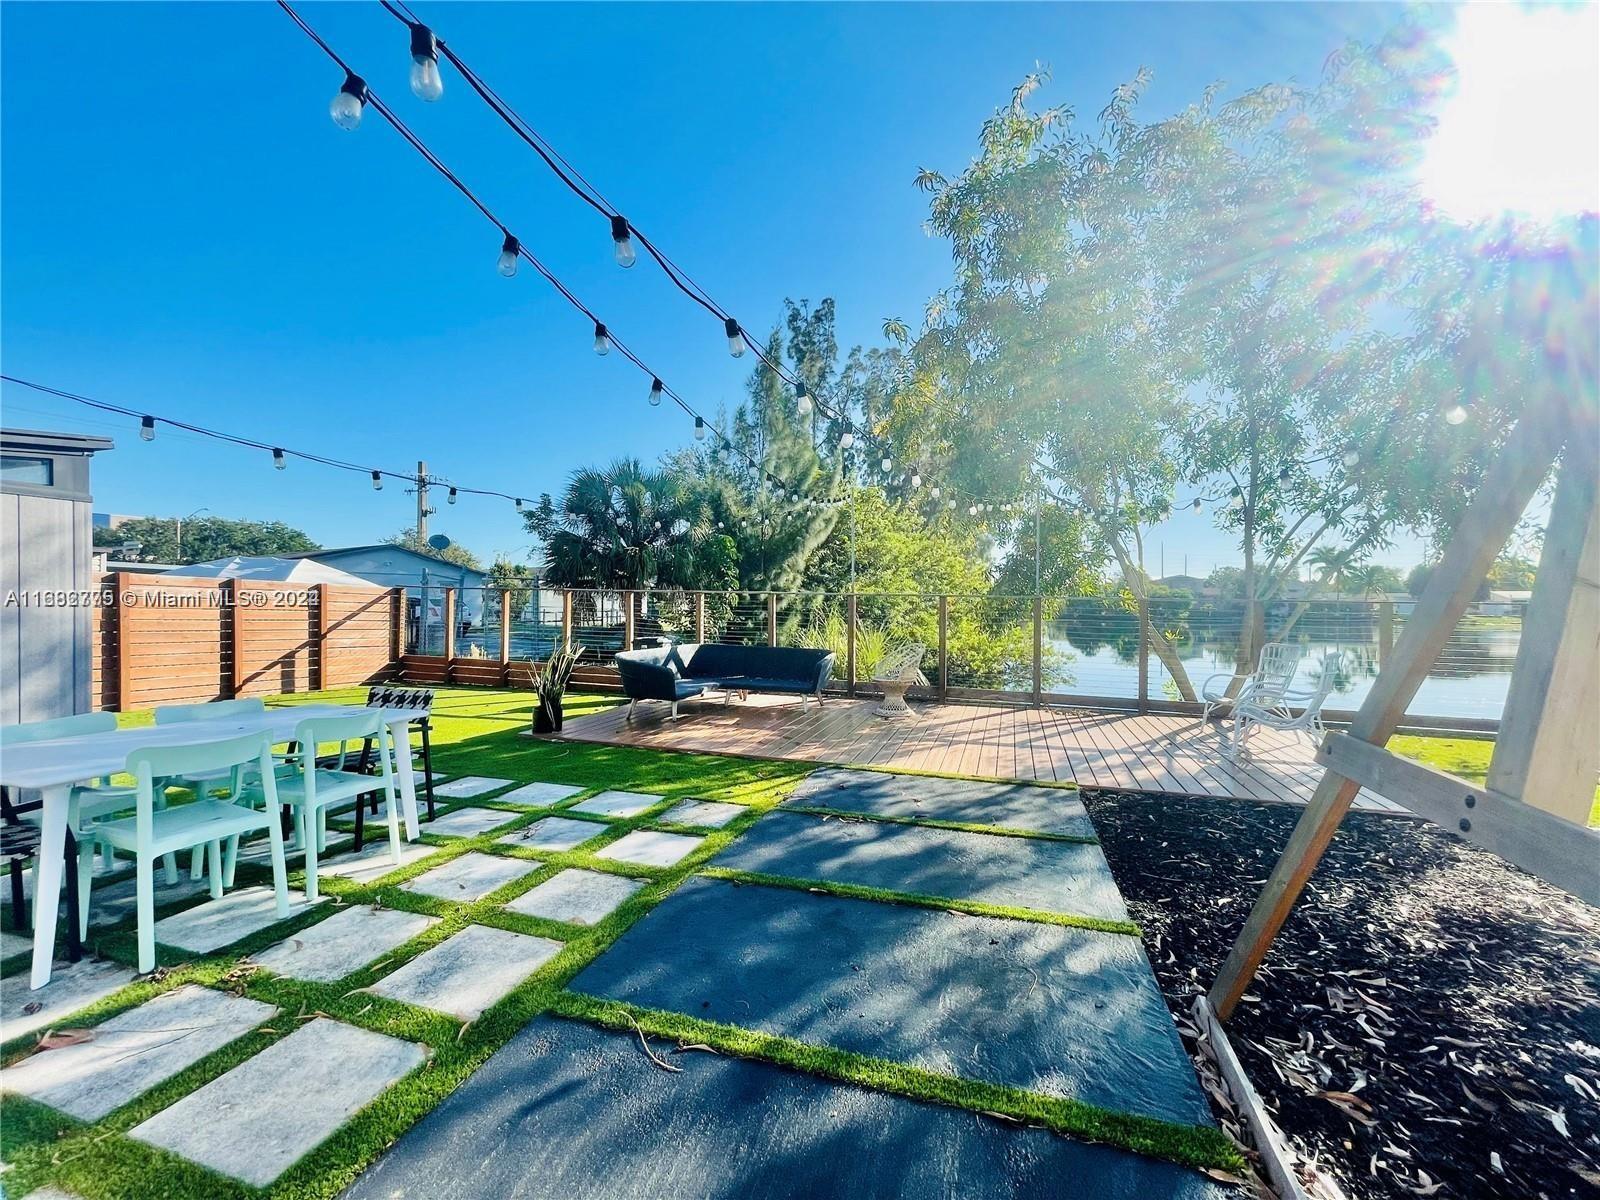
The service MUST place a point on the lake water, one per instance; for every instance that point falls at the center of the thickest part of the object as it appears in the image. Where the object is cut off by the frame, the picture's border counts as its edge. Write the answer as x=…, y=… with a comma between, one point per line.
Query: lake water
x=1470, y=679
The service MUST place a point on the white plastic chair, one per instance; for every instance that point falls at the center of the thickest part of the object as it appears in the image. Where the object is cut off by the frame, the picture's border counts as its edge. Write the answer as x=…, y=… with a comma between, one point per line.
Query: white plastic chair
x=1272, y=677
x=151, y=832
x=1252, y=714
x=204, y=785
x=311, y=790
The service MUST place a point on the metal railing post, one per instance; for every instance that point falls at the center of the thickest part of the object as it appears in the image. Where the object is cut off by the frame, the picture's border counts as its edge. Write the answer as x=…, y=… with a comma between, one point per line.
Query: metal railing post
x=449, y=628
x=1038, y=649
x=1144, y=654
x=850, y=645
x=944, y=647
x=772, y=618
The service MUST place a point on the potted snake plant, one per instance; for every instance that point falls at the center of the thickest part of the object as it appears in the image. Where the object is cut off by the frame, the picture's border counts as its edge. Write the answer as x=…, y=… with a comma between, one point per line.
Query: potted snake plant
x=550, y=685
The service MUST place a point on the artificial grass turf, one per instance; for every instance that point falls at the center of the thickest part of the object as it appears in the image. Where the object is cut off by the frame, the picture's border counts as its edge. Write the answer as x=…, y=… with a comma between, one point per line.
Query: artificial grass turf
x=1190, y=1145
x=976, y=908
x=478, y=732
x=850, y=814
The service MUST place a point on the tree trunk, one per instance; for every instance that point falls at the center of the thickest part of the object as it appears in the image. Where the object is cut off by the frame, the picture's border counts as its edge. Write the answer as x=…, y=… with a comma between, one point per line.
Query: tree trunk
x=1133, y=574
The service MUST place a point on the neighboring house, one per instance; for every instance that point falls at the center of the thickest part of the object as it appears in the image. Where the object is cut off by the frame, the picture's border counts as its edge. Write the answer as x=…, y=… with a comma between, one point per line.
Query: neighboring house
x=424, y=578
x=46, y=573
x=1503, y=604
x=1192, y=584
x=265, y=568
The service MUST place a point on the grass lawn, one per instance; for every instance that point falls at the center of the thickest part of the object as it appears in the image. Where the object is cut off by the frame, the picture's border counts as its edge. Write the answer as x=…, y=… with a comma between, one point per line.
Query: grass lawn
x=479, y=732
x=1462, y=756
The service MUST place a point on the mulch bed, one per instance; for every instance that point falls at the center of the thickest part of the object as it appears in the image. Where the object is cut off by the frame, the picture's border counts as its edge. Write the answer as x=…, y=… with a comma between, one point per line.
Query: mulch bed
x=1427, y=1023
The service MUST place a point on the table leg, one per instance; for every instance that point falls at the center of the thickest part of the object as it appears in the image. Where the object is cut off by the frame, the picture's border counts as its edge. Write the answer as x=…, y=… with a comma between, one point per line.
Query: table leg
x=400, y=731
x=47, y=893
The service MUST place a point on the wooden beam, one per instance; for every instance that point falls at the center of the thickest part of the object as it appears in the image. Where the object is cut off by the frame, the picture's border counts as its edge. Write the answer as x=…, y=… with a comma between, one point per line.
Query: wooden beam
x=1502, y=496
x=566, y=619
x=449, y=629
x=699, y=617
x=1539, y=842
x=505, y=636
x=1548, y=752
x=850, y=646
x=944, y=646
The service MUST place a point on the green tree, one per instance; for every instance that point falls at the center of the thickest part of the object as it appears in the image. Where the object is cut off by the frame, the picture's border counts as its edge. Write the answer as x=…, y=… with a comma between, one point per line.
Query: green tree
x=455, y=553
x=504, y=576
x=1513, y=573
x=204, y=538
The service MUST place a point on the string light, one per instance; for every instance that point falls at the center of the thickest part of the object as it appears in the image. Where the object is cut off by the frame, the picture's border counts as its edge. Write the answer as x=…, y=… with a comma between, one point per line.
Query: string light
x=451, y=497
x=377, y=481
x=278, y=459
x=602, y=340
x=1198, y=504
x=735, y=338
x=699, y=429
x=510, y=256
x=622, y=241
x=655, y=393
x=802, y=403
x=348, y=103
x=916, y=482
x=147, y=429
x=1455, y=414
x=425, y=81
x=519, y=503
x=935, y=492
x=887, y=464
x=1350, y=457
x=846, y=440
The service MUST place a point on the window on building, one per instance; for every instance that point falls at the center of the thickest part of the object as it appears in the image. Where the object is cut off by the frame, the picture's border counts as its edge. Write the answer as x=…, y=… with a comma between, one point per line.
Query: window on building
x=36, y=472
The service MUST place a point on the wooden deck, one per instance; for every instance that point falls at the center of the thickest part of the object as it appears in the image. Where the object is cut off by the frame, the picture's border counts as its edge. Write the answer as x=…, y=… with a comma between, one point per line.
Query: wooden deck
x=1145, y=753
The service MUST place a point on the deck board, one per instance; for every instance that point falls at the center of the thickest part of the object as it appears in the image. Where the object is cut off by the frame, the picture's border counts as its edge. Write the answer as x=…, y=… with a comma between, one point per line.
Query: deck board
x=1148, y=752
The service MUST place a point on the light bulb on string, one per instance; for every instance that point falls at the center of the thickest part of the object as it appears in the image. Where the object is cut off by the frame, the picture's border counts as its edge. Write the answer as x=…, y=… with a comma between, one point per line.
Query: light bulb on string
x=510, y=256
x=735, y=338
x=377, y=481
x=699, y=429
x=147, y=429
x=450, y=498
x=425, y=81
x=1198, y=504
x=519, y=503
x=347, y=105
x=278, y=460
x=1350, y=457
x=602, y=340
x=655, y=393
x=622, y=241
x=887, y=465
x=936, y=492
x=972, y=510
x=846, y=440
x=802, y=401
x=916, y=481
x=1455, y=414
x=950, y=504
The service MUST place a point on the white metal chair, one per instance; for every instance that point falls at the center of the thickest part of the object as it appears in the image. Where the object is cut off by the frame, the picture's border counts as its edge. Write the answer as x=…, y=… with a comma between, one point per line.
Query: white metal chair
x=151, y=832
x=1255, y=713
x=896, y=672
x=1272, y=677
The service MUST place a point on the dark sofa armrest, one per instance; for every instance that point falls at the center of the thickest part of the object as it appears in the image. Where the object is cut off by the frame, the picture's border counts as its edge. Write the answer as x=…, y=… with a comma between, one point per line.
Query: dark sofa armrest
x=645, y=680
x=825, y=671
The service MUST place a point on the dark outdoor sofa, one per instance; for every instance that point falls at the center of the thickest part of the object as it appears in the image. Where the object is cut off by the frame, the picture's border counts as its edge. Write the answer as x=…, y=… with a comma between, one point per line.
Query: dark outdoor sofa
x=674, y=673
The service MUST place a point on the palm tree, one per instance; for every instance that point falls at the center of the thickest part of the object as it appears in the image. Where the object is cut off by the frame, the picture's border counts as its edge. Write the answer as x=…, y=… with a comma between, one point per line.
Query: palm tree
x=622, y=528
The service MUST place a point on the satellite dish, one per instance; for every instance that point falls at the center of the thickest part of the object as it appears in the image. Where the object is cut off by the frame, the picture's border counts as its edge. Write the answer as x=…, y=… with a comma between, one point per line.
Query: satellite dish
x=439, y=542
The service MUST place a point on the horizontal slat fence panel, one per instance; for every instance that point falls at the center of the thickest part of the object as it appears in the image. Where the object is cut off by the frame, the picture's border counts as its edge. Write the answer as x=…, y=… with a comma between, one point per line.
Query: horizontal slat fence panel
x=170, y=640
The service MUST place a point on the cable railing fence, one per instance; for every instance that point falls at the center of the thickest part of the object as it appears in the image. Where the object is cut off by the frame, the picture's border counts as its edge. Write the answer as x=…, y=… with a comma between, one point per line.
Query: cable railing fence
x=1100, y=650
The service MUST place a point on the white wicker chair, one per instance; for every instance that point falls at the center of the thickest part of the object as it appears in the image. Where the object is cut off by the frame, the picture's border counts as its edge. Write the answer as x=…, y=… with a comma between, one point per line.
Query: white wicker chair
x=897, y=671
x=1271, y=679
x=1255, y=713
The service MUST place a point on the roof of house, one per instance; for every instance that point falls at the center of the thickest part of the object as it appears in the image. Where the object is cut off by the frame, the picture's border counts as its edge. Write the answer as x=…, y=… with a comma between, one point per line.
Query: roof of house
x=269, y=568
x=383, y=547
x=60, y=443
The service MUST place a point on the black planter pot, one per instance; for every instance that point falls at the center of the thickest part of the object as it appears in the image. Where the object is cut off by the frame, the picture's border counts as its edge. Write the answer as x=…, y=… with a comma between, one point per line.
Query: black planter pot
x=544, y=721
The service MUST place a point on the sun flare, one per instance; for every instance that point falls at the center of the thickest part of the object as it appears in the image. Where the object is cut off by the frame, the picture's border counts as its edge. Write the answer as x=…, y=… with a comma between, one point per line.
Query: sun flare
x=1519, y=131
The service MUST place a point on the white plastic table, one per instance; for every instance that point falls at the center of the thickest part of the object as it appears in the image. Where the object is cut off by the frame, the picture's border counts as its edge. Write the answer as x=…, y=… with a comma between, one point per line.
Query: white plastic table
x=53, y=767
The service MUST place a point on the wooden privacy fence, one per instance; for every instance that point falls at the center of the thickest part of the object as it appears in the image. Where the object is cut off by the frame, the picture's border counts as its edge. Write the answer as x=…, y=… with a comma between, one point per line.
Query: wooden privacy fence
x=172, y=640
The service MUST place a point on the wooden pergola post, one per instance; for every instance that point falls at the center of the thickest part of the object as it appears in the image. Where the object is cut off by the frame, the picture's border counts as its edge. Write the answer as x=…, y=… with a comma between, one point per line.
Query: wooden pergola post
x=1548, y=751
x=1501, y=498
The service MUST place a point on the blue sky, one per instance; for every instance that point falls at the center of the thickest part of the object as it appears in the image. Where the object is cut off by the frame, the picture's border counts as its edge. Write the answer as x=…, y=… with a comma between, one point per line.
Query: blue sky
x=185, y=230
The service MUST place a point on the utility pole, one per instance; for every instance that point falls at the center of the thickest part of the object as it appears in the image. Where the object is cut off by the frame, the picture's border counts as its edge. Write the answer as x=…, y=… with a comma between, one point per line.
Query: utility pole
x=422, y=503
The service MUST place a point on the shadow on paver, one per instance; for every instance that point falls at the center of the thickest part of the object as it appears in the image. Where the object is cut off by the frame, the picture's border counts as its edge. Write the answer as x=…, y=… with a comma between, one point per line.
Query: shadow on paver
x=1014, y=806
x=1062, y=1011
x=566, y=1111
x=1062, y=877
